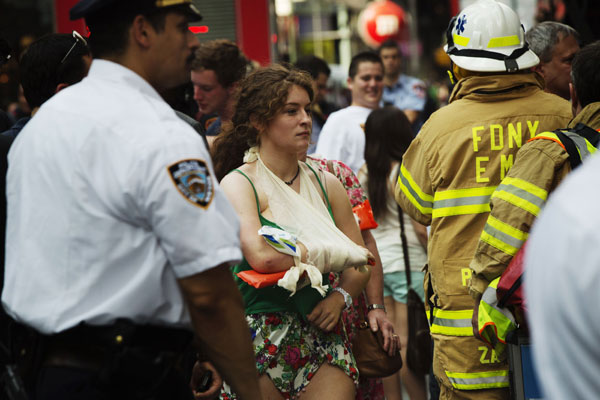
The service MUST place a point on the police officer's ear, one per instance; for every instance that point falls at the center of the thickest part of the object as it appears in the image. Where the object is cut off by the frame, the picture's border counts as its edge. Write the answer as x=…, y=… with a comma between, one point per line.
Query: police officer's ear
x=141, y=31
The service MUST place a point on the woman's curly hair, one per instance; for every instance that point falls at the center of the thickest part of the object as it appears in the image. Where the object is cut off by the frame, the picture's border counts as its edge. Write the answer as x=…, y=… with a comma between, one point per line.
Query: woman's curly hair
x=260, y=96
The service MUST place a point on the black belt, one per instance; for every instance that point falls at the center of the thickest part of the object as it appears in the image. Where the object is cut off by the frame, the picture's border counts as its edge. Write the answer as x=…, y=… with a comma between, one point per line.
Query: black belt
x=86, y=346
x=126, y=333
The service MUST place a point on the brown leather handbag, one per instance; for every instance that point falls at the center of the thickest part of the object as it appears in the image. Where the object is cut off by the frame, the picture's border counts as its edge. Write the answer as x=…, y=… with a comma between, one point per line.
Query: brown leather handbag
x=367, y=346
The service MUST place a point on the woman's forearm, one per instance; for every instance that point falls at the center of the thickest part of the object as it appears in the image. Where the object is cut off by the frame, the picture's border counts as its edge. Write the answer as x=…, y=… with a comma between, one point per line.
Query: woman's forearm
x=374, y=289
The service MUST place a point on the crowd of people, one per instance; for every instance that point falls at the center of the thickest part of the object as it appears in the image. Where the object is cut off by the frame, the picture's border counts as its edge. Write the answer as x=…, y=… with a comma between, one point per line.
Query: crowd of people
x=154, y=253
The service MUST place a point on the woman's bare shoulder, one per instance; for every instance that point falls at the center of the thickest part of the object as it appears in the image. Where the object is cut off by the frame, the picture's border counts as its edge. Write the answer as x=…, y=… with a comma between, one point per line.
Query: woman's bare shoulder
x=234, y=181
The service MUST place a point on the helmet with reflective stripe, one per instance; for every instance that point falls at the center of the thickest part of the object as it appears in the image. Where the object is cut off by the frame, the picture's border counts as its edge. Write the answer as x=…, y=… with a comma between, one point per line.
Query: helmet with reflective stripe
x=487, y=36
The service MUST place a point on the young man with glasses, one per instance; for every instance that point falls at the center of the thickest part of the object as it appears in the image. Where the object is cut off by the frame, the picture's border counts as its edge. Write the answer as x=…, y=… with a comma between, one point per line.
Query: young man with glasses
x=120, y=238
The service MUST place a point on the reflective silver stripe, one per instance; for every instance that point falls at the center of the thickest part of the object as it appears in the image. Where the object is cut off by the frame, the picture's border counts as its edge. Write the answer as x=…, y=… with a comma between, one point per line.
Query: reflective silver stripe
x=511, y=240
x=523, y=194
x=423, y=203
x=489, y=296
x=478, y=381
x=461, y=201
x=453, y=323
x=580, y=142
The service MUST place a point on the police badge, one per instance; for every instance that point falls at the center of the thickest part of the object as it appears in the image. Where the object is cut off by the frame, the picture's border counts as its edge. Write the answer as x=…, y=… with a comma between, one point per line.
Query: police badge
x=192, y=179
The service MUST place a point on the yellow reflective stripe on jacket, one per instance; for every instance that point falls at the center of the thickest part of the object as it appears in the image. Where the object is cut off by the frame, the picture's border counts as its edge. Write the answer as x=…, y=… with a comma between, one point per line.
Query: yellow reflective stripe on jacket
x=478, y=380
x=462, y=201
x=452, y=323
x=503, y=236
x=421, y=200
x=590, y=147
x=584, y=147
x=522, y=194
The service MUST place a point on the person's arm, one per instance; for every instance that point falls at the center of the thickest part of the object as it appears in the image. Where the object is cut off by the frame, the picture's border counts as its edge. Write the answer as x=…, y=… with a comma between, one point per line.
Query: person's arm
x=421, y=231
x=217, y=311
x=374, y=291
x=378, y=319
x=515, y=204
x=259, y=254
x=327, y=312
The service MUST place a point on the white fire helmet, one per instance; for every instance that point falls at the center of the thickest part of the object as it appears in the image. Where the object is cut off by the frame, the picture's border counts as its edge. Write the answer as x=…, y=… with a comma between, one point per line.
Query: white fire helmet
x=487, y=36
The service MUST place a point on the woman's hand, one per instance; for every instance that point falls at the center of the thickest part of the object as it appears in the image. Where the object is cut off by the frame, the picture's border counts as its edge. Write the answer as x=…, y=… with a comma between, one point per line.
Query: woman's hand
x=378, y=320
x=214, y=385
x=327, y=312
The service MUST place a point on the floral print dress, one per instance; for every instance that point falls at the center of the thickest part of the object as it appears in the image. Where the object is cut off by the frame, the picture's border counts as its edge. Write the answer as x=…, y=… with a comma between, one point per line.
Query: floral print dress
x=290, y=350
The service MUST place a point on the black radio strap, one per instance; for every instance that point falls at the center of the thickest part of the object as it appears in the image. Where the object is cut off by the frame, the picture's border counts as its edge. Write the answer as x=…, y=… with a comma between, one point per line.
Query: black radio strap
x=585, y=132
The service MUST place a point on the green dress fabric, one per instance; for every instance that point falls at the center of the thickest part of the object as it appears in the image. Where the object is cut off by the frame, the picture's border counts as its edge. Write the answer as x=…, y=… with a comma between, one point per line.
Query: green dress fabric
x=275, y=298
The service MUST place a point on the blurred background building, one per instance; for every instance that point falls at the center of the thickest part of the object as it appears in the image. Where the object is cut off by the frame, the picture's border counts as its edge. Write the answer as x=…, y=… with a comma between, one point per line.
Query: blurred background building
x=283, y=30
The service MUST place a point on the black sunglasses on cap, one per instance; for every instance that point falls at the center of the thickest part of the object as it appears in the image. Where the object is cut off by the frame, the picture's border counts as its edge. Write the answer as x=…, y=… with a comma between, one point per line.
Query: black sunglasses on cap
x=78, y=38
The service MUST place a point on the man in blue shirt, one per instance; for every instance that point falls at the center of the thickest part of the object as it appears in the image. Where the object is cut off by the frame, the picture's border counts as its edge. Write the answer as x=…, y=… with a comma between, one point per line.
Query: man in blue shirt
x=403, y=91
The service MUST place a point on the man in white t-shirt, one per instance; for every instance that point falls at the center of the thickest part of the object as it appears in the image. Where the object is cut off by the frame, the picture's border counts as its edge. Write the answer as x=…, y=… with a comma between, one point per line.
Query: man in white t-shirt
x=342, y=137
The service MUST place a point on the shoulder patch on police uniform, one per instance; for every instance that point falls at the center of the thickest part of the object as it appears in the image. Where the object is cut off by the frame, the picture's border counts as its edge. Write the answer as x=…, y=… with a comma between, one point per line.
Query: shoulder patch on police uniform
x=192, y=179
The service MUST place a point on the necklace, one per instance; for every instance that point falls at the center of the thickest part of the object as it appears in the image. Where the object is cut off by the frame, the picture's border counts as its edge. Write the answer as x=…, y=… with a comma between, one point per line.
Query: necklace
x=294, y=178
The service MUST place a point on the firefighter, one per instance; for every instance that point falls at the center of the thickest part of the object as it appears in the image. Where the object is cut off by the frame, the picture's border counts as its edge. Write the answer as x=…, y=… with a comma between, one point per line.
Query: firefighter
x=540, y=166
x=452, y=168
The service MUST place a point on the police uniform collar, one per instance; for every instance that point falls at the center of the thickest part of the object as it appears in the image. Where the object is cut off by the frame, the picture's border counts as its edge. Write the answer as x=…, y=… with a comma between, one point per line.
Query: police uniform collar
x=86, y=8
x=106, y=70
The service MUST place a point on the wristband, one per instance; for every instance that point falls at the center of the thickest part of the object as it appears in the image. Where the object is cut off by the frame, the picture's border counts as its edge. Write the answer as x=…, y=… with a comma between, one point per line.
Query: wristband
x=347, y=297
x=376, y=307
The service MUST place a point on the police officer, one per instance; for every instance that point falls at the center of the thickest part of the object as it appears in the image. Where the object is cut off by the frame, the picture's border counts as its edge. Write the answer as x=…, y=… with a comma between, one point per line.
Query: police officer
x=119, y=238
x=453, y=166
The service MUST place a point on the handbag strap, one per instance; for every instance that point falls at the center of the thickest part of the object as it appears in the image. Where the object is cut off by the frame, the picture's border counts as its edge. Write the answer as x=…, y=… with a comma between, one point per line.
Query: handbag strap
x=403, y=239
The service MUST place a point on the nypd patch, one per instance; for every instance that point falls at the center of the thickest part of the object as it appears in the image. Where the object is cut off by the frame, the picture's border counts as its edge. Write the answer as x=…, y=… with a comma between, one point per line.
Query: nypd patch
x=192, y=179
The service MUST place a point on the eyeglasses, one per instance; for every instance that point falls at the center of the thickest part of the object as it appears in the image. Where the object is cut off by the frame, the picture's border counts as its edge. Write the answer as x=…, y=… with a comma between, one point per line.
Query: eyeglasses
x=78, y=38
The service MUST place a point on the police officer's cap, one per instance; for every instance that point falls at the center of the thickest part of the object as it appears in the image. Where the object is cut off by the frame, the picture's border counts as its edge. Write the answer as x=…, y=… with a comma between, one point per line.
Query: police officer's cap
x=87, y=8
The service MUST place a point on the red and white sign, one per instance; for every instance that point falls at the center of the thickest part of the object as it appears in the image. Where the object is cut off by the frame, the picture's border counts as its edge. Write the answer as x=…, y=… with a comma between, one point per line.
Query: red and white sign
x=381, y=21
